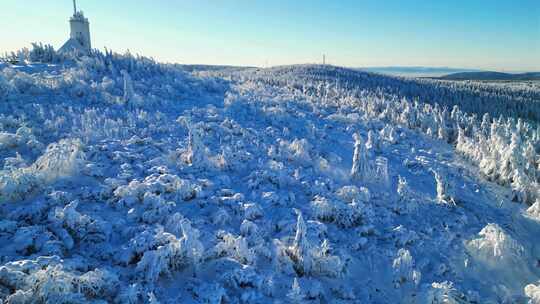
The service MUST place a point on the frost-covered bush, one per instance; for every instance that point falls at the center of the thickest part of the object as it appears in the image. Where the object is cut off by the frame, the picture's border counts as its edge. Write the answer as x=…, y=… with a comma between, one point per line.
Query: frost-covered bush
x=306, y=259
x=152, y=210
x=405, y=272
x=242, y=278
x=235, y=247
x=388, y=133
x=351, y=194
x=155, y=184
x=305, y=291
x=296, y=151
x=98, y=283
x=18, y=184
x=494, y=246
x=381, y=172
x=45, y=280
x=43, y=53
x=360, y=168
x=196, y=153
x=29, y=239
x=372, y=144
x=9, y=141
x=62, y=159
x=80, y=227
x=253, y=211
x=161, y=261
x=445, y=191
x=131, y=294
x=174, y=254
x=342, y=214
x=532, y=291
x=406, y=201
x=211, y=294
x=534, y=210
x=444, y=293
x=130, y=98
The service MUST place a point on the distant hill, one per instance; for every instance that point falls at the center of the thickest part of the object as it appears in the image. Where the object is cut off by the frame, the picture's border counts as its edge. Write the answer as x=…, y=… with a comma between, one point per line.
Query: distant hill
x=492, y=76
x=417, y=71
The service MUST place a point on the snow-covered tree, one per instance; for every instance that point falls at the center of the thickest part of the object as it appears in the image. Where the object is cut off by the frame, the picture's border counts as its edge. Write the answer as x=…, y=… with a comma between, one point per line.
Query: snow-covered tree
x=360, y=167
x=445, y=193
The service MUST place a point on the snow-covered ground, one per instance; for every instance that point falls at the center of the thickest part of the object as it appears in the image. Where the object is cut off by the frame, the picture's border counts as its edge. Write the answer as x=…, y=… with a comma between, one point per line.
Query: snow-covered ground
x=128, y=181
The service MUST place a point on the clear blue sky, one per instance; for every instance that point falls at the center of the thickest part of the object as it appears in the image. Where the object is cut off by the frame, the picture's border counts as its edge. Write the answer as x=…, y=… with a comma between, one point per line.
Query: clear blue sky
x=487, y=34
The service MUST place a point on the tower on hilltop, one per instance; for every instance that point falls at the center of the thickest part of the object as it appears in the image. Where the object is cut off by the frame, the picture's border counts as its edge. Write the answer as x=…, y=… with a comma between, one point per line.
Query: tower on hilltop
x=79, y=38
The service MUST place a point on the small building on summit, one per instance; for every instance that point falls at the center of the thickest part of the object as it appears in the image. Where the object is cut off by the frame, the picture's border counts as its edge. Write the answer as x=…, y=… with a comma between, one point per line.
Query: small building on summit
x=79, y=39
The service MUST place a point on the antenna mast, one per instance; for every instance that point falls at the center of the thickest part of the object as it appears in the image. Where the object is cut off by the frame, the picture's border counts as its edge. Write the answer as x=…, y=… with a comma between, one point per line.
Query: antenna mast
x=74, y=7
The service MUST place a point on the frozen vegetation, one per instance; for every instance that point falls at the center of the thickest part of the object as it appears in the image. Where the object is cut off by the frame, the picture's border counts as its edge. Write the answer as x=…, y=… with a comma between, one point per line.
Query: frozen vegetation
x=123, y=180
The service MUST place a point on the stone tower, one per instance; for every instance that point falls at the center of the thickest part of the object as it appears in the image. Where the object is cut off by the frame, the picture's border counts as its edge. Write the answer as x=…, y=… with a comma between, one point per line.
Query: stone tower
x=79, y=39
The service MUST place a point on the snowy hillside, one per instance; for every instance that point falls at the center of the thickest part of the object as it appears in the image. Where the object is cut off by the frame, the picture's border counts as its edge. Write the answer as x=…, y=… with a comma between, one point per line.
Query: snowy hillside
x=128, y=181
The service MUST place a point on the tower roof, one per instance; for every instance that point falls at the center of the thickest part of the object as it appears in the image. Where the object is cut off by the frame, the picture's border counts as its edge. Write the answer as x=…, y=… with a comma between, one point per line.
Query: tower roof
x=71, y=45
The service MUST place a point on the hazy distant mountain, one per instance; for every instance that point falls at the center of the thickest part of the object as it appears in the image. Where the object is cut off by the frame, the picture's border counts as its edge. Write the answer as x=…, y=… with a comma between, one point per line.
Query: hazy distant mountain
x=417, y=71
x=492, y=76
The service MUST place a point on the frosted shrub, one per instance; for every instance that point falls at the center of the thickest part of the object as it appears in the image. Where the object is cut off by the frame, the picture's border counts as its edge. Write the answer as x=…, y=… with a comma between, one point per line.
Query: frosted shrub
x=296, y=295
x=404, y=270
x=43, y=53
x=147, y=240
x=534, y=210
x=190, y=242
x=253, y=211
x=161, y=261
x=173, y=255
x=532, y=291
x=98, y=283
x=68, y=224
x=381, y=172
x=236, y=248
x=445, y=193
x=406, y=201
x=304, y=258
x=196, y=153
x=305, y=291
x=131, y=294
x=29, y=239
x=242, y=278
x=350, y=194
x=48, y=282
x=54, y=285
x=70, y=217
x=342, y=214
x=134, y=192
x=372, y=143
x=129, y=91
x=211, y=294
x=297, y=151
x=444, y=293
x=221, y=217
x=350, y=215
x=62, y=159
x=174, y=224
x=155, y=208
x=388, y=133
x=326, y=264
x=9, y=141
x=494, y=245
x=360, y=167
x=17, y=185
x=521, y=185
x=323, y=209
x=300, y=251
